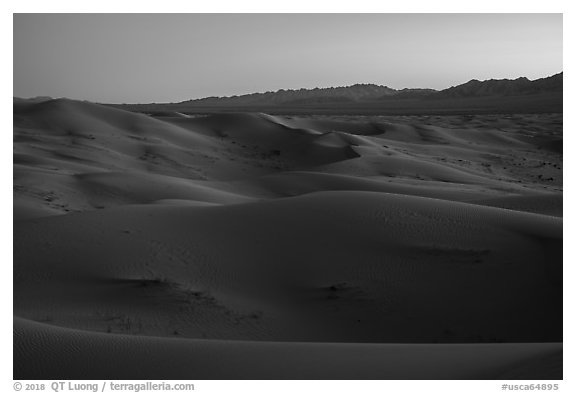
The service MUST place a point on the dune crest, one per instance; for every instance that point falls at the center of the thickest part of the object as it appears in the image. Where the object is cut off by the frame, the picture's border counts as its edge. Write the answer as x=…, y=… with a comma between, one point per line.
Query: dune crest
x=432, y=241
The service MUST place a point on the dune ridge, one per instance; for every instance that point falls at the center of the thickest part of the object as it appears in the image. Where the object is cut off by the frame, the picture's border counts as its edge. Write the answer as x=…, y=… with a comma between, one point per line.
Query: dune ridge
x=173, y=358
x=428, y=246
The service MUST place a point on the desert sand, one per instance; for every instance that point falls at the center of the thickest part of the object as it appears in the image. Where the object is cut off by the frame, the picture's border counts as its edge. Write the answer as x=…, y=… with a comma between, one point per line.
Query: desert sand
x=251, y=246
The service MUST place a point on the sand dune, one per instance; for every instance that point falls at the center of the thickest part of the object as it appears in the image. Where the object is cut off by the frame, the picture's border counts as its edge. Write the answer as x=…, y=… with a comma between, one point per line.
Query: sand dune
x=296, y=279
x=303, y=247
x=42, y=351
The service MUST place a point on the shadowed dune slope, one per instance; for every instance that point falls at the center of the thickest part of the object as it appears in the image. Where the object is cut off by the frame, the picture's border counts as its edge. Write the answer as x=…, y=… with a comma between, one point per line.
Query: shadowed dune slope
x=62, y=146
x=244, y=245
x=64, y=117
x=361, y=267
x=46, y=352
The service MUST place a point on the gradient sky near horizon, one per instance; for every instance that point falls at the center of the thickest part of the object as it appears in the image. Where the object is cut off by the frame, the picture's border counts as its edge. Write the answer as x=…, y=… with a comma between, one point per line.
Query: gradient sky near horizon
x=139, y=58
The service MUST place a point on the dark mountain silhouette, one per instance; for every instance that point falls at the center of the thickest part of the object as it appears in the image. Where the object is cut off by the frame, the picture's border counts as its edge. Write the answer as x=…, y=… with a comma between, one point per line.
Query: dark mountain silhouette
x=370, y=92
x=354, y=93
x=410, y=94
x=520, y=95
x=503, y=87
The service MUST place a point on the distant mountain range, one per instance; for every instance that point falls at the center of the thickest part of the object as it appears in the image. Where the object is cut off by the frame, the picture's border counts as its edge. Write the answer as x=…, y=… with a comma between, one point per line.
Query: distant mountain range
x=519, y=95
x=504, y=87
x=358, y=92
x=370, y=92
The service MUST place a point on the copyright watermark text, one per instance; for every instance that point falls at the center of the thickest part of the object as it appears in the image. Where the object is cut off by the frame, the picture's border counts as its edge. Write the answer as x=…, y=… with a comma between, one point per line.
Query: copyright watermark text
x=103, y=386
x=530, y=386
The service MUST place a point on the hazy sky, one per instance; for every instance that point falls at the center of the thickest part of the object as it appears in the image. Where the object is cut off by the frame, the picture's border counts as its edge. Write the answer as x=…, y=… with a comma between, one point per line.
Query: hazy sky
x=174, y=57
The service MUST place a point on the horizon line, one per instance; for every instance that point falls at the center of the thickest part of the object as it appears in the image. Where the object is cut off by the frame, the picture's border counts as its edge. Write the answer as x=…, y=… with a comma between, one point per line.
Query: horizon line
x=293, y=89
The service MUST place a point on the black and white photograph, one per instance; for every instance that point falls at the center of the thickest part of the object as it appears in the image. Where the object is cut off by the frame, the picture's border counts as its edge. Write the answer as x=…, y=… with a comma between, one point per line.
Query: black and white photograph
x=288, y=196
